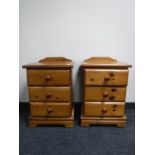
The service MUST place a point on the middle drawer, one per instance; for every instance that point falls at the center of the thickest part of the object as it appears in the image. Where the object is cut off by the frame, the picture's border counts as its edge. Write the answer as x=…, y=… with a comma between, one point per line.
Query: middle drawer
x=105, y=93
x=50, y=94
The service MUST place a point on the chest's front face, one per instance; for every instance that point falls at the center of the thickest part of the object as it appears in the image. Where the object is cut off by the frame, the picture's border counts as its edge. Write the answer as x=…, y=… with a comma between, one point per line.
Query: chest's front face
x=50, y=85
x=105, y=85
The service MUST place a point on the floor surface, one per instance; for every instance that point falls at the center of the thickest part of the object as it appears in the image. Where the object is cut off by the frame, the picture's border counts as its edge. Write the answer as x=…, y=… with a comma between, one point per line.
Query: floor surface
x=95, y=140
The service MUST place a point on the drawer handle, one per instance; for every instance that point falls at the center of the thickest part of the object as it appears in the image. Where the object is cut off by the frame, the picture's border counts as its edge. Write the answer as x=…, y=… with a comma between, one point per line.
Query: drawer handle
x=114, y=105
x=48, y=78
x=105, y=94
x=50, y=110
x=113, y=89
x=104, y=110
x=111, y=74
x=112, y=97
x=48, y=95
x=92, y=79
x=107, y=78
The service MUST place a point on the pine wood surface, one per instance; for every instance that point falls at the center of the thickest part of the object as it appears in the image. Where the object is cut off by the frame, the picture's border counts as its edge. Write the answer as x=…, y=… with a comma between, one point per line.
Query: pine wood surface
x=105, y=93
x=119, y=121
x=104, y=62
x=49, y=109
x=68, y=122
x=104, y=109
x=48, y=77
x=50, y=92
x=50, y=62
x=106, y=76
x=104, y=80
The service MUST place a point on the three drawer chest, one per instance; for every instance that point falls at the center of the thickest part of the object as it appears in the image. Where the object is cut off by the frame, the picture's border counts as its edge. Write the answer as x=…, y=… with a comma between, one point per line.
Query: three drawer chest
x=105, y=81
x=50, y=92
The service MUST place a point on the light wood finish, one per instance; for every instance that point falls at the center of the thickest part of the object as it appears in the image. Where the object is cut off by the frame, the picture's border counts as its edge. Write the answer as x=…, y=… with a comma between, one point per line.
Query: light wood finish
x=68, y=122
x=104, y=62
x=50, y=109
x=50, y=63
x=104, y=108
x=119, y=121
x=50, y=94
x=106, y=77
x=105, y=80
x=105, y=93
x=48, y=77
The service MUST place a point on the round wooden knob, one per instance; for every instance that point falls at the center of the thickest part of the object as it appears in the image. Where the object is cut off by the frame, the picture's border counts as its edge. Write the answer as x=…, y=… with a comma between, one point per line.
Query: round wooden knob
x=112, y=97
x=48, y=77
x=49, y=110
x=92, y=79
x=48, y=95
x=113, y=89
x=114, y=105
x=105, y=94
x=111, y=74
x=107, y=78
x=104, y=110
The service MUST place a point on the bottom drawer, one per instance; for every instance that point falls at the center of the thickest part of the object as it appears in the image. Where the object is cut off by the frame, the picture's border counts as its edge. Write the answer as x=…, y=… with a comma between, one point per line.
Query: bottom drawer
x=50, y=109
x=104, y=108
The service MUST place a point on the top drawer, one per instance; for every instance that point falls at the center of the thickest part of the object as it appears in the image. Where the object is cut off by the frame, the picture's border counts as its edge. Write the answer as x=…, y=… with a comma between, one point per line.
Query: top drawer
x=48, y=77
x=106, y=77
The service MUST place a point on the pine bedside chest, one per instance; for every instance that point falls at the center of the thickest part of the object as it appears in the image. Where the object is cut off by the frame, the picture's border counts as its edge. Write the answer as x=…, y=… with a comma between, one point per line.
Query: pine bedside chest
x=50, y=92
x=105, y=81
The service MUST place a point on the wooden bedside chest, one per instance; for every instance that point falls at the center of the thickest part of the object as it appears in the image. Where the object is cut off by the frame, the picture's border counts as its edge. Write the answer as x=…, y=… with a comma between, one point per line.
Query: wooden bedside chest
x=50, y=92
x=105, y=80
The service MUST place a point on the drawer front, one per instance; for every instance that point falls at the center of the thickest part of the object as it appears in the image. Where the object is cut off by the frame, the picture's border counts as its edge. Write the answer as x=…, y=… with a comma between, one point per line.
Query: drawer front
x=50, y=109
x=50, y=94
x=93, y=93
x=106, y=77
x=48, y=77
x=104, y=108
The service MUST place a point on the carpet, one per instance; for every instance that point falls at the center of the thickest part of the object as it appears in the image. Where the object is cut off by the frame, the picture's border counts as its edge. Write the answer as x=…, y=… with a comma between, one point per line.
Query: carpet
x=58, y=140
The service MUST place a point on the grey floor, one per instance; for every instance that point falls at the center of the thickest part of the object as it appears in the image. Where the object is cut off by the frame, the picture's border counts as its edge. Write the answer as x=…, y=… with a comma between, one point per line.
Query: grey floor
x=95, y=140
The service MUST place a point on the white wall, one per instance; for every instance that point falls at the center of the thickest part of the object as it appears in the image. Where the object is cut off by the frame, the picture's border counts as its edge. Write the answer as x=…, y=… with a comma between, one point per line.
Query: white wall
x=76, y=29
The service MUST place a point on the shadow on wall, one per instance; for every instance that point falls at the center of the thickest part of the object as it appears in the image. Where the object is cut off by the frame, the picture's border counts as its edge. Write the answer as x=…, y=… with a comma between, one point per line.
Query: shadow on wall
x=78, y=84
x=24, y=93
x=78, y=96
x=24, y=106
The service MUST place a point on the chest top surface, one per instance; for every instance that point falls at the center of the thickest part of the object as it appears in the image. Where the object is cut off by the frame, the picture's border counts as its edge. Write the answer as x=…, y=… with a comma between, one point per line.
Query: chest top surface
x=51, y=62
x=106, y=62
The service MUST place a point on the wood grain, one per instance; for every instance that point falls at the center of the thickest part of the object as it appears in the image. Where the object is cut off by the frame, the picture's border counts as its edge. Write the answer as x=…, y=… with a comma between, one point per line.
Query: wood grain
x=50, y=63
x=106, y=77
x=103, y=62
x=104, y=86
x=105, y=93
x=48, y=77
x=104, y=109
x=68, y=122
x=50, y=94
x=119, y=121
x=50, y=109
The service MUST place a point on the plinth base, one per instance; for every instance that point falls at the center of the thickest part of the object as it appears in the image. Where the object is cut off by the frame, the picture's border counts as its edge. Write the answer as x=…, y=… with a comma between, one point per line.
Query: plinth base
x=119, y=121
